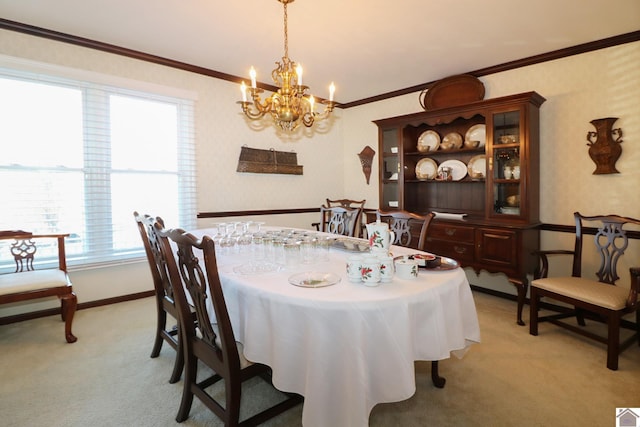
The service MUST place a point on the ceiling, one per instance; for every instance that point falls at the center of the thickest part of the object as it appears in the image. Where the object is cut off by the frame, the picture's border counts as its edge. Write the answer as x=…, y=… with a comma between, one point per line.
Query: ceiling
x=367, y=47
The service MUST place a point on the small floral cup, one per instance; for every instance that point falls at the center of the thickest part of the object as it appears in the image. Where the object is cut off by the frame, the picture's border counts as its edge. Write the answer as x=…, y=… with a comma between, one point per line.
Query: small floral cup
x=407, y=269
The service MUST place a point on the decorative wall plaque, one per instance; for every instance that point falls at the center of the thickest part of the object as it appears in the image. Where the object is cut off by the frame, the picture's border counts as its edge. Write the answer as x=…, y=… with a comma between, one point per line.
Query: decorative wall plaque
x=268, y=161
x=366, y=159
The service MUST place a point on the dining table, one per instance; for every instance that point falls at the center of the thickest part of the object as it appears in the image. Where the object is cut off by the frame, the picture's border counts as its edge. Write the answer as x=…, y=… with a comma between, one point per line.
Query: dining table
x=344, y=346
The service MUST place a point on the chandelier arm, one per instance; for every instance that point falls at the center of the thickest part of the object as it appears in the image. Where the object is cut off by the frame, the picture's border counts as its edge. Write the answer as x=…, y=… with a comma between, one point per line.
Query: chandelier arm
x=250, y=111
x=308, y=118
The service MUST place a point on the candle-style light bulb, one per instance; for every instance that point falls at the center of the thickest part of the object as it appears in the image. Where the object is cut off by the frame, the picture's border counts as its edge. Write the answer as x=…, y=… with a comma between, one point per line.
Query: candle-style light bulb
x=243, y=89
x=252, y=73
x=332, y=90
x=299, y=73
x=311, y=102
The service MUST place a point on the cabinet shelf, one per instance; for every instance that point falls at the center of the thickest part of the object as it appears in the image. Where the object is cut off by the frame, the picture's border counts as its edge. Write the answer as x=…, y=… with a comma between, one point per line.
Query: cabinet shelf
x=465, y=180
x=444, y=152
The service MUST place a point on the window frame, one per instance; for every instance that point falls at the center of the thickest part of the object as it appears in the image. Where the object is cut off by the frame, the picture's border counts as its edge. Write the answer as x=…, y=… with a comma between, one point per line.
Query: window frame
x=99, y=227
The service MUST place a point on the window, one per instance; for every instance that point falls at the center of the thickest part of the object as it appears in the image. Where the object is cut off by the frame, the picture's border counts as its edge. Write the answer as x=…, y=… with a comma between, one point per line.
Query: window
x=79, y=157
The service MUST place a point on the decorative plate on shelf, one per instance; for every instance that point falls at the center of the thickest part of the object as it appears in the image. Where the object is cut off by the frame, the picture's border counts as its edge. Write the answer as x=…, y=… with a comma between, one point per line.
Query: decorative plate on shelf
x=476, y=133
x=477, y=167
x=428, y=141
x=426, y=169
x=458, y=169
x=451, y=141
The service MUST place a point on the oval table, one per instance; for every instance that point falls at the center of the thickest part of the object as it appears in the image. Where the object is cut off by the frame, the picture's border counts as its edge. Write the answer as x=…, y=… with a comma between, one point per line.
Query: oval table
x=347, y=347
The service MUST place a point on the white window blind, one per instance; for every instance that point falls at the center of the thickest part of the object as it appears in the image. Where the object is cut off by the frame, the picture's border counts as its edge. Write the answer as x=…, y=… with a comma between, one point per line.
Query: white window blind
x=79, y=157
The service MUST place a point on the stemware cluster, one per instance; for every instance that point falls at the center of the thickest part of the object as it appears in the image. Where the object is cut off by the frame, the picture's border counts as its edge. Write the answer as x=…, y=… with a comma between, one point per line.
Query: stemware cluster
x=284, y=248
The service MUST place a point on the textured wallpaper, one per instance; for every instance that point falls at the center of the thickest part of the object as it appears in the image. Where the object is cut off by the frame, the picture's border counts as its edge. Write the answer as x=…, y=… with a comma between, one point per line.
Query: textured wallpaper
x=578, y=89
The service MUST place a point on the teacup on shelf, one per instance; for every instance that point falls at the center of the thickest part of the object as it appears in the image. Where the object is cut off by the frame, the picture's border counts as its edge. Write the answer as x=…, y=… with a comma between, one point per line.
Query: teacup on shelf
x=446, y=145
x=471, y=144
x=508, y=139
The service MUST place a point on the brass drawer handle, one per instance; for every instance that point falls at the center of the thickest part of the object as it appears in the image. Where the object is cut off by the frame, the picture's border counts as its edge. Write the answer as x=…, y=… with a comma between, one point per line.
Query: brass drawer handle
x=459, y=249
x=450, y=231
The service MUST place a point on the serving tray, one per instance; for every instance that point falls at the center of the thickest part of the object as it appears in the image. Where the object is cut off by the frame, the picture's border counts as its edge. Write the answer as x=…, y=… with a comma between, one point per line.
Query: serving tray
x=452, y=91
x=441, y=263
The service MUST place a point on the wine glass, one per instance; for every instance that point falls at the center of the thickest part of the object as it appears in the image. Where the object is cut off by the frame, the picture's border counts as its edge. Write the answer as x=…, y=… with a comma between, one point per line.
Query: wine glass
x=245, y=238
x=221, y=230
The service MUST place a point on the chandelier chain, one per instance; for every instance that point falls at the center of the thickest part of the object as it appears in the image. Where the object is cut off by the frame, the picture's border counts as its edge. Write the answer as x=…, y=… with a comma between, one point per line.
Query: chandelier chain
x=286, y=35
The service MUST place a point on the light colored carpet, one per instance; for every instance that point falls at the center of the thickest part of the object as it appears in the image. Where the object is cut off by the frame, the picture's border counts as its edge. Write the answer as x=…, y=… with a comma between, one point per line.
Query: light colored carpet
x=107, y=378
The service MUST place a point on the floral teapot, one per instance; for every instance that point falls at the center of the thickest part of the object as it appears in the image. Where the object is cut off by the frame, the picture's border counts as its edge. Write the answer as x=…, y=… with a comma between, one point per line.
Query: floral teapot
x=380, y=237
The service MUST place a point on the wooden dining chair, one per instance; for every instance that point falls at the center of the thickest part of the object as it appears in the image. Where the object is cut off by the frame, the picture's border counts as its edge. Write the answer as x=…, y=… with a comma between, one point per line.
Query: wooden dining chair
x=29, y=282
x=164, y=295
x=213, y=345
x=344, y=203
x=410, y=229
x=599, y=299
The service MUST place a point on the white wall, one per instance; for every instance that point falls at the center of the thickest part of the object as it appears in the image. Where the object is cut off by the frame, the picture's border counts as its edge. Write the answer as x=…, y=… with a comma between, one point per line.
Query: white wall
x=578, y=89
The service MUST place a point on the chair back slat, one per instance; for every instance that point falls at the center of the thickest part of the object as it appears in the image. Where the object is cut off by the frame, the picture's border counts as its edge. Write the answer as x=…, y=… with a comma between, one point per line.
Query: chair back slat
x=156, y=261
x=611, y=241
x=339, y=220
x=194, y=274
x=23, y=251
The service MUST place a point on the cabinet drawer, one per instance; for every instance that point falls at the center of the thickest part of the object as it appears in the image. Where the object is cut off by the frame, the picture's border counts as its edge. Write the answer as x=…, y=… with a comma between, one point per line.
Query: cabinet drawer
x=455, y=233
x=460, y=251
x=499, y=248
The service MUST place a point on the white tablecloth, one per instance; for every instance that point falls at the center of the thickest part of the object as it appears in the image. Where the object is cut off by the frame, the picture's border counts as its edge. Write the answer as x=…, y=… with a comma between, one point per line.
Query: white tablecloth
x=347, y=347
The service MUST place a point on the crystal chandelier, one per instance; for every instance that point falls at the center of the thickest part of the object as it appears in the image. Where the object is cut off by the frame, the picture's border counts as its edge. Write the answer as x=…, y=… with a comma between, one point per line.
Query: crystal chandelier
x=290, y=105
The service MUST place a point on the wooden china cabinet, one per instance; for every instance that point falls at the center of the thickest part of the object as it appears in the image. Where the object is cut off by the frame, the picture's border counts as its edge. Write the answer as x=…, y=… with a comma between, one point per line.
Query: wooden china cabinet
x=429, y=162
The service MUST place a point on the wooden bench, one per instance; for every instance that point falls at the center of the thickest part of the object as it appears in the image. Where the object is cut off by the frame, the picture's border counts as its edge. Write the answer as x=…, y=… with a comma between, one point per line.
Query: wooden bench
x=27, y=283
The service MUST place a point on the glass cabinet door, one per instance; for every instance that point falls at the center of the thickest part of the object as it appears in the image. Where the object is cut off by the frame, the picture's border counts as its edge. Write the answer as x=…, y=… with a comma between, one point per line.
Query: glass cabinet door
x=506, y=168
x=390, y=172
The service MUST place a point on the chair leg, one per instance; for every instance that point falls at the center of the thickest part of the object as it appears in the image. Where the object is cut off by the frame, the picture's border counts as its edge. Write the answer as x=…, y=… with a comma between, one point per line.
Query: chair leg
x=613, y=341
x=534, y=299
x=190, y=377
x=234, y=395
x=69, y=303
x=580, y=316
x=178, y=365
x=638, y=325
x=161, y=324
